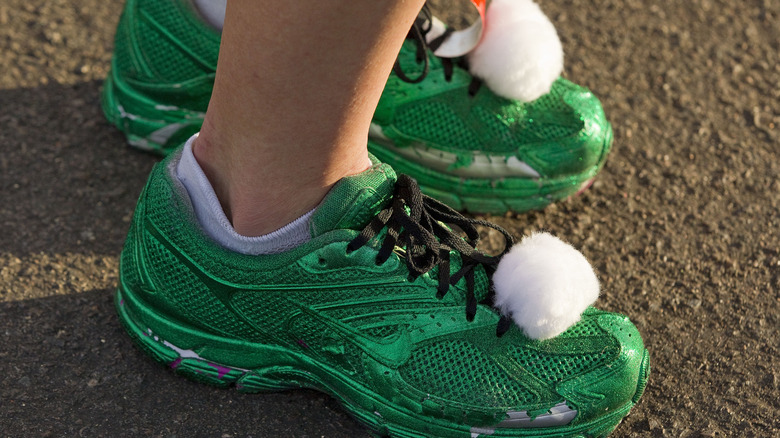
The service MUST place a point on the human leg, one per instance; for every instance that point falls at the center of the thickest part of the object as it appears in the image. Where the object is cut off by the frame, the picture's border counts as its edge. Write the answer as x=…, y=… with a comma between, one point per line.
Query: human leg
x=292, y=103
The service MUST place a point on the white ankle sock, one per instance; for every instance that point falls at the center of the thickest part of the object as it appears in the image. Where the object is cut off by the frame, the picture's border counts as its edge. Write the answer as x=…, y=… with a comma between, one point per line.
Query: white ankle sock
x=213, y=11
x=214, y=222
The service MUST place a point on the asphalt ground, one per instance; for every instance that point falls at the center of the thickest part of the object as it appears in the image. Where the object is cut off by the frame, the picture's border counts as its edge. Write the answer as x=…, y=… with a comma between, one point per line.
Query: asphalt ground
x=681, y=225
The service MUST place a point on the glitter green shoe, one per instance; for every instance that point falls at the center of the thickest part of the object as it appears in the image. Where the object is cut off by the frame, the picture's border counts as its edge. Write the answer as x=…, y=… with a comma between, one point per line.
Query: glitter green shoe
x=384, y=309
x=465, y=145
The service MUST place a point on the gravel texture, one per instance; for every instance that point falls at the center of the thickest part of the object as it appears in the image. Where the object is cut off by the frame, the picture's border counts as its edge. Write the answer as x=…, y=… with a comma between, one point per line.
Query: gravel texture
x=681, y=226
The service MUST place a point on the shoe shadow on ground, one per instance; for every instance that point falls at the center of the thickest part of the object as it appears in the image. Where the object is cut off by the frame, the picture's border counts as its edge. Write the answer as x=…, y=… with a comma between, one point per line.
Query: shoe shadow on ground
x=69, y=185
x=68, y=180
x=68, y=357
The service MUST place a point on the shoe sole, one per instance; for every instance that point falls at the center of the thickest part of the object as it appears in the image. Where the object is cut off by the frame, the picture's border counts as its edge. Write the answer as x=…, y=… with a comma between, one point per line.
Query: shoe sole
x=159, y=129
x=268, y=368
x=494, y=195
x=147, y=125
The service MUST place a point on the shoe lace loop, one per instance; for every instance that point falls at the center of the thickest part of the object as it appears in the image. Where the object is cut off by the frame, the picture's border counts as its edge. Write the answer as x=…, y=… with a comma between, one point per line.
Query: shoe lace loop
x=420, y=28
x=415, y=223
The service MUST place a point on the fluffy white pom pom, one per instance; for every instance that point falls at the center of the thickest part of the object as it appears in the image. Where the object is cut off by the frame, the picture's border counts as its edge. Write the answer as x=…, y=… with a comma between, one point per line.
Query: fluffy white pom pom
x=520, y=55
x=544, y=284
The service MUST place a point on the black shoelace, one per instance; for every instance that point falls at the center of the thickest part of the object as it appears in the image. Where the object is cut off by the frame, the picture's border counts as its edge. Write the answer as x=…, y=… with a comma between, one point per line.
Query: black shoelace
x=415, y=222
x=420, y=28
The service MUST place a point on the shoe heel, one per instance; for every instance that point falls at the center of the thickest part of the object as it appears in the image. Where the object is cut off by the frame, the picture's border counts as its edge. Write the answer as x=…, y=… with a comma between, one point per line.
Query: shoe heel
x=188, y=363
x=147, y=125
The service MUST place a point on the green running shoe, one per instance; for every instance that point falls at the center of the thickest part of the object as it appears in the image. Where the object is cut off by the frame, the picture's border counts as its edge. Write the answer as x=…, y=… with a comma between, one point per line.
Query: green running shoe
x=384, y=309
x=465, y=145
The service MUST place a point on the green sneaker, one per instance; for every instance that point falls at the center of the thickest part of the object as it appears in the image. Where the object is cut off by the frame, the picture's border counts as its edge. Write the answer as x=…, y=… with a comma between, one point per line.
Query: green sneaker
x=464, y=144
x=377, y=310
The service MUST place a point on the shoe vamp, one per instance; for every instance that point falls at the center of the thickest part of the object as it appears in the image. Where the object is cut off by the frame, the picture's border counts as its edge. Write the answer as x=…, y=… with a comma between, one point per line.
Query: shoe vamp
x=478, y=370
x=551, y=134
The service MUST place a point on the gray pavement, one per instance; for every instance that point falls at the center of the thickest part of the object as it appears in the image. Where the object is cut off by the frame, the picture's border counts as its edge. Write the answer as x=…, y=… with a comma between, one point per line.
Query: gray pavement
x=682, y=225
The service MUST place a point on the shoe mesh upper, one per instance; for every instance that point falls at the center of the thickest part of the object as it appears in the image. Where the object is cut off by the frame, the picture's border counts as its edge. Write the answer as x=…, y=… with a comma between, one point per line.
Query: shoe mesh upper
x=193, y=298
x=446, y=115
x=585, y=328
x=554, y=368
x=173, y=42
x=458, y=371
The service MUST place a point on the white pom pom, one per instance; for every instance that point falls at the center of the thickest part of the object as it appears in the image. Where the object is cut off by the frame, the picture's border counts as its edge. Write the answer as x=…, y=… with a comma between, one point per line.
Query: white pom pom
x=520, y=55
x=544, y=284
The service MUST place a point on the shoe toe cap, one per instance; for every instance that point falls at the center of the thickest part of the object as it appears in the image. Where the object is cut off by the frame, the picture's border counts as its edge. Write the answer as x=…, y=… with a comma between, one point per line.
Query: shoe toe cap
x=618, y=384
x=574, y=134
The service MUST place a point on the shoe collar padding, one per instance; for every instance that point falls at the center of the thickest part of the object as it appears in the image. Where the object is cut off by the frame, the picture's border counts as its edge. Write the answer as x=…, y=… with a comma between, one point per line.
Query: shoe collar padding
x=354, y=200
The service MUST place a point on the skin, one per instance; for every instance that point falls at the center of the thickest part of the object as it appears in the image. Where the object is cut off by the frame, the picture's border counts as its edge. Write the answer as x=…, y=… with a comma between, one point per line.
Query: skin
x=297, y=84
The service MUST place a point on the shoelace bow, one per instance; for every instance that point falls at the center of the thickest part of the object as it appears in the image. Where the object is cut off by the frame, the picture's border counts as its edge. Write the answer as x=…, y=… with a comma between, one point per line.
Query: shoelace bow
x=420, y=28
x=416, y=221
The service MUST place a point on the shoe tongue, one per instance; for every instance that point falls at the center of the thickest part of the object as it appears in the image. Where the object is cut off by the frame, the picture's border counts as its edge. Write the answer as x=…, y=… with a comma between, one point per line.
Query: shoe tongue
x=354, y=200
